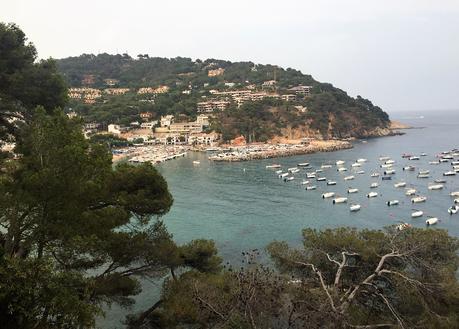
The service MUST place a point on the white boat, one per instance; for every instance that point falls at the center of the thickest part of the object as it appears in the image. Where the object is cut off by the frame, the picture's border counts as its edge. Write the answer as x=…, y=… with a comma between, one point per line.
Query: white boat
x=312, y=187
x=400, y=184
x=318, y=171
x=384, y=158
x=403, y=226
x=355, y=207
x=311, y=175
x=410, y=192
x=443, y=160
x=288, y=179
x=432, y=221
x=435, y=187
x=331, y=182
x=423, y=175
x=372, y=195
x=279, y=172
x=434, y=162
x=325, y=166
x=374, y=185
x=417, y=213
x=423, y=154
x=362, y=160
x=196, y=162
x=375, y=174
x=424, y=172
x=303, y=164
x=456, y=201
x=413, y=158
x=342, y=169
x=352, y=190
x=340, y=162
x=360, y=172
x=440, y=181
x=418, y=199
x=354, y=165
x=321, y=179
x=389, y=172
x=453, y=209
x=449, y=173
x=273, y=166
x=392, y=202
x=454, y=163
x=389, y=162
x=305, y=182
x=456, y=193
x=328, y=195
x=409, y=168
x=349, y=177
x=340, y=200
x=285, y=174
x=385, y=166
x=293, y=170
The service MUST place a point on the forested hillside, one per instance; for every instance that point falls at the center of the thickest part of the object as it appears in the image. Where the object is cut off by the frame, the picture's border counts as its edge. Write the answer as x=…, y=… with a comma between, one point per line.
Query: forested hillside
x=325, y=111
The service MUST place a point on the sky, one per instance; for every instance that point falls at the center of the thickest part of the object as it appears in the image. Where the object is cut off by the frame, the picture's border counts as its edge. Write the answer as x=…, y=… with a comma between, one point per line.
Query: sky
x=401, y=54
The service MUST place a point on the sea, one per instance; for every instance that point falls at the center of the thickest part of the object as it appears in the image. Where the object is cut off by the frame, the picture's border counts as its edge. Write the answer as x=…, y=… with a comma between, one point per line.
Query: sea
x=243, y=205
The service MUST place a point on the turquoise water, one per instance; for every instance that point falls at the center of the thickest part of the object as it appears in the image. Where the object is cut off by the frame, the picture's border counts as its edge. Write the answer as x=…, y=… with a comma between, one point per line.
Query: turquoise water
x=245, y=206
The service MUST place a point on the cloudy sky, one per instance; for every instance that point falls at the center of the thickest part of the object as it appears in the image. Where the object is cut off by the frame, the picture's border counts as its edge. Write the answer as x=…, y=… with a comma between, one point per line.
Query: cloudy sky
x=401, y=54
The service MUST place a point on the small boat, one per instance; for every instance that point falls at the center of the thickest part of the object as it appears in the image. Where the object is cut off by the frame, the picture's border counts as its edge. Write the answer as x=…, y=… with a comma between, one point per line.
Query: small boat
x=453, y=209
x=384, y=158
x=389, y=172
x=400, y=184
x=354, y=165
x=456, y=193
x=360, y=172
x=279, y=171
x=449, y=173
x=361, y=160
x=340, y=200
x=342, y=169
x=389, y=162
x=402, y=226
x=454, y=163
x=288, y=179
x=325, y=166
x=423, y=176
x=413, y=158
x=448, y=157
x=305, y=182
x=386, y=166
x=406, y=155
x=440, y=181
x=410, y=192
x=372, y=195
x=435, y=187
x=424, y=172
x=355, y=207
x=275, y=166
x=318, y=171
x=434, y=162
x=386, y=177
x=328, y=195
x=443, y=160
x=432, y=221
x=392, y=202
x=374, y=185
x=349, y=177
x=331, y=182
x=417, y=213
x=321, y=179
x=310, y=188
x=285, y=174
x=456, y=201
x=409, y=168
x=375, y=174
x=340, y=162
x=311, y=175
x=423, y=154
x=196, y=162
x=294, y=170
x=352, y=190
x=418, y=199
x=303, y=164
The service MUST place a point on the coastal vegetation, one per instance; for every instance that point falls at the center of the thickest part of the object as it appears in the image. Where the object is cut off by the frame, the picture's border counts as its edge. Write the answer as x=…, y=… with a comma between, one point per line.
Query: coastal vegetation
x=325, y=112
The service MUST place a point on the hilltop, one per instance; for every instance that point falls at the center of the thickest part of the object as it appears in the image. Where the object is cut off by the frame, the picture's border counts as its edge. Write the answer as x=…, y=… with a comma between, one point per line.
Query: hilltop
x=260, y=102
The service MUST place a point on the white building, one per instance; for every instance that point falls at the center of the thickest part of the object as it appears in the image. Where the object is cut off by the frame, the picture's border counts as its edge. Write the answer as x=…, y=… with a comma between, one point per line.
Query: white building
x=114, y=129
x=166, y=120
x=149, y=125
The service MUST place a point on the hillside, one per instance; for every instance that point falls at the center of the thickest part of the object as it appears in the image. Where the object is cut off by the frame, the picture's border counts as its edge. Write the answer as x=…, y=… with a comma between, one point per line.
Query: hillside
x=260, y=102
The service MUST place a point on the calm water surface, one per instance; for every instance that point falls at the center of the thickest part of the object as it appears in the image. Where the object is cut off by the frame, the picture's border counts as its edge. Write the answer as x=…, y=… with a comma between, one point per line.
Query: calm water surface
x=245, y=206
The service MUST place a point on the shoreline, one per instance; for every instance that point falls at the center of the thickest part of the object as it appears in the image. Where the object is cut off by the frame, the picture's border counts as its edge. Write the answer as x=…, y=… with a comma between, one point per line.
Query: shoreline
x=269, y=151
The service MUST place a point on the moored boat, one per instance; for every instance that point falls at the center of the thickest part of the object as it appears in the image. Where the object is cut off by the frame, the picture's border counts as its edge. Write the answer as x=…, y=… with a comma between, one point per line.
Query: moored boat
x=432, y=221
x=274, y=166
x=410, y=192
x=389, y=172
x=374, y=185
x=303, y=164
x=418, y=199
x=449, y=173
x=453, y=209
x=435, y=187
x=354, y=207
x=340, y=162
x=352, y=190
x=331, y=182
x=400, y=184
x=392, y=202
x=310, y=188
x=417, y=213
x=340, y=200
x=372, y=195
x=349, y=177
x=328, y=195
